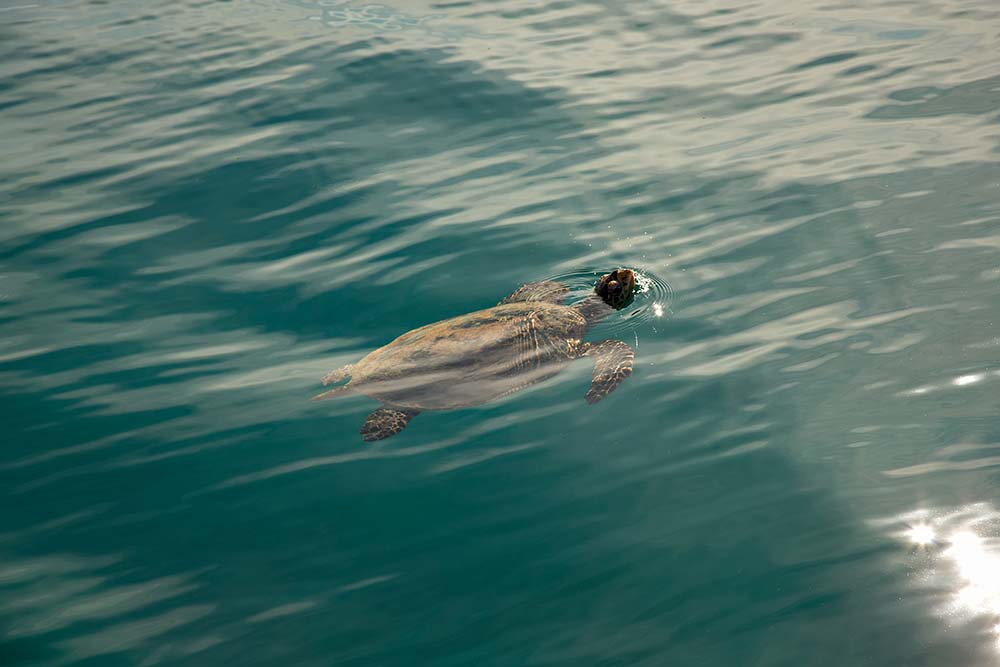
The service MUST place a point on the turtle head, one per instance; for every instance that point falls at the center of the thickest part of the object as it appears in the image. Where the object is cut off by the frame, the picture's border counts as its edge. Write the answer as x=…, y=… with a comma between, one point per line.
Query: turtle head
x=616, y=288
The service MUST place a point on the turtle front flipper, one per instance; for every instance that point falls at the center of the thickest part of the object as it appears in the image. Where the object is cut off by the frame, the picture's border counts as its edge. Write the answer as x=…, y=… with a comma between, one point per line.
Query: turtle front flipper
x=612, y=364
x=385, y=422
x=548, y=292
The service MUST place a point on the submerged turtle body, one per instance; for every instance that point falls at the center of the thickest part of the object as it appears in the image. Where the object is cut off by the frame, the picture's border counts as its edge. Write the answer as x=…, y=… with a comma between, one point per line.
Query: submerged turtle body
x=472, y=359
x=482, y=356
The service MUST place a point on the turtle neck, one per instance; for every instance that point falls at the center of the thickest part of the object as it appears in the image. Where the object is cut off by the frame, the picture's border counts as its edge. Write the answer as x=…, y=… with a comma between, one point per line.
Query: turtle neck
x=594, y=309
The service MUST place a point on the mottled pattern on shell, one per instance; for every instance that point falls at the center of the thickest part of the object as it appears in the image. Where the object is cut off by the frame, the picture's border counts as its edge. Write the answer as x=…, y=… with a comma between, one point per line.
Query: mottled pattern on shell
x=470, y=359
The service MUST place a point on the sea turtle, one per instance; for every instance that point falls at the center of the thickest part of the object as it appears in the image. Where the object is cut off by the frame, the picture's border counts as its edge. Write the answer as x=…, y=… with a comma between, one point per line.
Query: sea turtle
x=482, y=356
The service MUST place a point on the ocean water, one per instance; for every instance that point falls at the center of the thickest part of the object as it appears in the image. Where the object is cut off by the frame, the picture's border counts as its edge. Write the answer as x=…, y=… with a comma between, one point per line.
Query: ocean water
x=206, y=206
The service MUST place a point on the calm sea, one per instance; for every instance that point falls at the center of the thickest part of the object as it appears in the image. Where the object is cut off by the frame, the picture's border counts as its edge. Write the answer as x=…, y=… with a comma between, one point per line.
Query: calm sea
x=206, y=206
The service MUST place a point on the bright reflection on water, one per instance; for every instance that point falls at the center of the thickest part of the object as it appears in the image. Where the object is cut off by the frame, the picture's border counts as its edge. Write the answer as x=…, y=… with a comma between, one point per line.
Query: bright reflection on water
x=963, y=380
x=960, y=552
x=979, y=569
x=921, y=534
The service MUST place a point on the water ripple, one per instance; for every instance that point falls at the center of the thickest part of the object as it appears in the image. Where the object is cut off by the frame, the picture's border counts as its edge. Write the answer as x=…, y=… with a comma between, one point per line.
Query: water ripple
x=207, y=206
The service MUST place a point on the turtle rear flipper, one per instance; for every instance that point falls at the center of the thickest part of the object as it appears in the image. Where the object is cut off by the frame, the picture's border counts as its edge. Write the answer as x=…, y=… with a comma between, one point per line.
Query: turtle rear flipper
x=385, y=422
x=548, y=291
x=612, y=364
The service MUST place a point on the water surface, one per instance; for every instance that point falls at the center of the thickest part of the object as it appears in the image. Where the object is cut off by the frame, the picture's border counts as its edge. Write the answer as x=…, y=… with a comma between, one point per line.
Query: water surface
x=207, y=206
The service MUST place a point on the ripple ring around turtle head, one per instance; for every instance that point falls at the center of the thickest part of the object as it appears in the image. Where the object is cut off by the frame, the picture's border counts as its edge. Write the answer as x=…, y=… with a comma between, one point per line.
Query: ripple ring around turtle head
x=651, y=302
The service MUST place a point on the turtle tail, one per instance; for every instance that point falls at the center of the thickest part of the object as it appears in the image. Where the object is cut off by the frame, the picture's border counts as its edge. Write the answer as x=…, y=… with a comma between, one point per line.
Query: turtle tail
x=337, y=375
x=333, y=393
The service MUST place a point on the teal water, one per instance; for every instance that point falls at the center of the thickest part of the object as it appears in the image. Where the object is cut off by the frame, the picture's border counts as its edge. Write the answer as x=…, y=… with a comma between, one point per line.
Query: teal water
x=205, y=207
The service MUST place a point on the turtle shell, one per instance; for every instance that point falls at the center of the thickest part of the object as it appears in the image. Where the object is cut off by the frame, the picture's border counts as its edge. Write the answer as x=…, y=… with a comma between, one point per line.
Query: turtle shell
x=473, y=358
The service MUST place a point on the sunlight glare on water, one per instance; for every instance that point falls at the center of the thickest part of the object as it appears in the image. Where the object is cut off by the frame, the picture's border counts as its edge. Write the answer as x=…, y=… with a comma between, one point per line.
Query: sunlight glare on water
x=964, y=559
x=922, y=534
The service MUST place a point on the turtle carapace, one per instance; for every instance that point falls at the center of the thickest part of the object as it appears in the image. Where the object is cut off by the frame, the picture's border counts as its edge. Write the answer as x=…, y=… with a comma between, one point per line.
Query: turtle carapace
x=472, y=359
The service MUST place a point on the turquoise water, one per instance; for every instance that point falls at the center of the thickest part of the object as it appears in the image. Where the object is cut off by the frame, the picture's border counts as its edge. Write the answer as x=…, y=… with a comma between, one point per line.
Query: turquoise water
x=205, y=207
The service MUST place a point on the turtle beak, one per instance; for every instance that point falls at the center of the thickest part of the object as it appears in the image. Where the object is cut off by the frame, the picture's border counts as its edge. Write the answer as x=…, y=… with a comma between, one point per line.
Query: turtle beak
x=627, y=278
x=616, y=288
x=626, y=282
